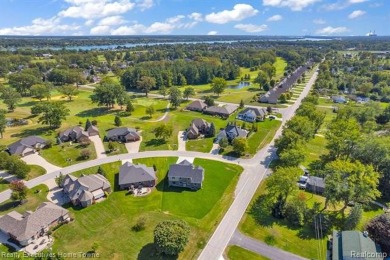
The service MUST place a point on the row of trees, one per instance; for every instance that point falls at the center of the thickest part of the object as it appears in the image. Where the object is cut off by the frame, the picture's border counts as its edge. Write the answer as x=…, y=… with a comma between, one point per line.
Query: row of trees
x=13, y=165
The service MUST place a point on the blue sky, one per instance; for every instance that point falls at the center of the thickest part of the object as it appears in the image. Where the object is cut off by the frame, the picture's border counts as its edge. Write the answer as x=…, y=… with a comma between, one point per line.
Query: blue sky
x=201, y=17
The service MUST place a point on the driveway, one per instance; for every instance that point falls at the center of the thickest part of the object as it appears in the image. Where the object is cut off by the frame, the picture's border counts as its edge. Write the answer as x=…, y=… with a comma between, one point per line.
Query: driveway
x=261, y=248
x=214, y=149
x=182, y=138
x=133, y=147
x=8, y=177
x=36, y=159
x=99, y=147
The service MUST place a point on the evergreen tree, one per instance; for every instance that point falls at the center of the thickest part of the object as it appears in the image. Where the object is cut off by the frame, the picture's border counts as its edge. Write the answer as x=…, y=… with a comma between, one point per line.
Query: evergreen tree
x=211, y=132
x=353, y=218
x=88, y=124
x=129, y=106
x=242, y=103
x=118, y=121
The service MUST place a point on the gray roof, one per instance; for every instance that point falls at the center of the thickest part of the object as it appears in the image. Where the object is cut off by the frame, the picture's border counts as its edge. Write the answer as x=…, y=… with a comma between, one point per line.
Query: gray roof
x=199, y=123
x=236, y=131
x=121, y=131
x=346, y=242
x=197, y=104
x=24, y=227
x=256, y=111
x=185, y=169
x=27, y=142
x=77, y=131
x=316, y=181
x=92, y=128
x=82, y=188
x=223, y=110
x=134, y=173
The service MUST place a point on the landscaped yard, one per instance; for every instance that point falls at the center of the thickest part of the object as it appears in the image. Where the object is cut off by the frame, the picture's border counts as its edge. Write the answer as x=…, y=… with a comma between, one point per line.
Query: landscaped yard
x=35, y=171
x=239, y=253
x=115, y=216
x=314, y=149
x=203, y=145
x=265, y=132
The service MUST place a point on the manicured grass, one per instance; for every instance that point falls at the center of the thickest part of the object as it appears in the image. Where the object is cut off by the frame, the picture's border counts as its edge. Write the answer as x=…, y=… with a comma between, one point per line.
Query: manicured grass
x=121, y=148
x=109, y=222
x=200, y=145
x=239, y=253
x=35, y=171
x=266, y=131
x=184, y=202
x=314, y=149
x=59, y=154
x=34, y=199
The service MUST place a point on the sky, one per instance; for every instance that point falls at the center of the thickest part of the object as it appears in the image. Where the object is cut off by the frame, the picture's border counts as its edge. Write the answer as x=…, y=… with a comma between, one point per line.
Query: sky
x=195, y=17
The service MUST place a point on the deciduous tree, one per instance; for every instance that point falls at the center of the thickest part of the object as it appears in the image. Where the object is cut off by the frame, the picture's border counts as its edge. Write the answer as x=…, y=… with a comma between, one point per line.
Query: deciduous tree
x=188, y=92
x=10, y=97
x=19, y=190
x=170, y=237
x=240, y=145
x=145, y=84
x=218, y=85
x=175, y=96
x=69, y=91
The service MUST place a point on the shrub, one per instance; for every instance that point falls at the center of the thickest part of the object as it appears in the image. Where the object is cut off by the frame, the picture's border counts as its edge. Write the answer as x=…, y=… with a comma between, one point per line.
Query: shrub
x=140, y=225
x=85, y=154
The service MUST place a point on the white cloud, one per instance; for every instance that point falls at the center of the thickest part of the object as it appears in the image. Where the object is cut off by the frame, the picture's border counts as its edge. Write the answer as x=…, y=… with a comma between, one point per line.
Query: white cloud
x=319, y=21
x=239, y=12
x=91, y=9
x=251, y=28
x=89, y=22
x=112, y=20
x=40, y=26
x=129, y=30
x=175, y=19
x=161, y=28
x=329, y=30
x=295, y=5
x=100, y=30
x=145, y=4
x=196, y=16
x=342, y=4
x=212, y=33
x=355, y=14
x=275, y=18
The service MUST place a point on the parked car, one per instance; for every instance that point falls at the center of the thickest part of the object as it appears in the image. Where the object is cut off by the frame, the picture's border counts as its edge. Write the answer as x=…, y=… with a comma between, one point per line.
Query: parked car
x=272, y=117
x=302, y=183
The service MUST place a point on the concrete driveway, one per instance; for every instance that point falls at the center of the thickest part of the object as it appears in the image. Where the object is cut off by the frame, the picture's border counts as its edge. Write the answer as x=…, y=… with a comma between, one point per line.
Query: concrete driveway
x=36, y=159
x=8, y=177
x=215, y=149
x=133, y=147
x=99, y=147
x=182, y=138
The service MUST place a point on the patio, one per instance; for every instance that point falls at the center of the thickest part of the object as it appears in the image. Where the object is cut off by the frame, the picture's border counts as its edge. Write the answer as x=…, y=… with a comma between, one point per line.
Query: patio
x=38, y=245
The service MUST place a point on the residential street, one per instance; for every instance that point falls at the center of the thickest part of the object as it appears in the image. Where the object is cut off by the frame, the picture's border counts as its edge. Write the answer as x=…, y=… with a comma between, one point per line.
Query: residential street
x=261, y=248
x=254, y=171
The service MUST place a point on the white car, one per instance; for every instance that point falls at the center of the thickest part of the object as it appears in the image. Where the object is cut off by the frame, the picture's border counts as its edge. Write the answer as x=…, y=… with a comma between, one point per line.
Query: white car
x=303, y=182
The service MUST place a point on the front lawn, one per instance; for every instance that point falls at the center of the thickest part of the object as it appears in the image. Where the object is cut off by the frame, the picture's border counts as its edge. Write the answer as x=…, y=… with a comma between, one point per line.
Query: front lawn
x=265, y=132
x=203, y=145
x=314, y=149
x=35, y=171
x=239, y=253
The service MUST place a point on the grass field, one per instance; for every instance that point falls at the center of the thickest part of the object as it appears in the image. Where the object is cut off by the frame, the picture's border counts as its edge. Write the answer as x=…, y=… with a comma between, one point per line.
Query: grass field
x=113, y=218
x=314, y=149
x=239, y=253
x=265, y=133
x=35, y=171
x=203, y=145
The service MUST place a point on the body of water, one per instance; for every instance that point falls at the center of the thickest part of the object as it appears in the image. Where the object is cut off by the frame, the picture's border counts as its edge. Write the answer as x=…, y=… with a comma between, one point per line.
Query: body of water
x=241, y=85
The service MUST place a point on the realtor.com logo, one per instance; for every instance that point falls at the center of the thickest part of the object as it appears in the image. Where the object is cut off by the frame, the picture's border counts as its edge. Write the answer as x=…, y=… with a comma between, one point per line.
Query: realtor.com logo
x=365, y=254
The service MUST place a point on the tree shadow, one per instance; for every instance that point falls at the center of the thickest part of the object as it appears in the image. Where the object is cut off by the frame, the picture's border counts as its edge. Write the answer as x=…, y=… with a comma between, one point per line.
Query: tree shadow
x=261, y=213
x=146, y=118
x=9, y=205
x=155, y=142
x=252, y=89
x=43, y=131
x=28, y=104
x=97, y=111
x=149, y=252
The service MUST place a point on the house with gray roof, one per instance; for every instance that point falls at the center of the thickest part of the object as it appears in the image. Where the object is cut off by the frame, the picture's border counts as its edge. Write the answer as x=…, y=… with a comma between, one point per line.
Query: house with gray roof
x=197, y=105
x=27, y=145
x=348, y=245
x=223, y=111
x=231, y=132
x=197, y=127
x=186, y=175
x=86, y=190
x=76, y=133
x=315, y=184
x=136, y=175
x=25, y=229
x=123, y=134
x=252, y=114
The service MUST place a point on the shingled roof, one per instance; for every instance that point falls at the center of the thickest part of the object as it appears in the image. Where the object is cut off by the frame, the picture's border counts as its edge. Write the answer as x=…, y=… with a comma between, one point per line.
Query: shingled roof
x=185, y=169
x=18, y=147
x=134, y=173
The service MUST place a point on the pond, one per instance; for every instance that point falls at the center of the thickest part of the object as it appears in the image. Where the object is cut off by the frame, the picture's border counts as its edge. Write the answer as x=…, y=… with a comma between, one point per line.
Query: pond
x=241, y=85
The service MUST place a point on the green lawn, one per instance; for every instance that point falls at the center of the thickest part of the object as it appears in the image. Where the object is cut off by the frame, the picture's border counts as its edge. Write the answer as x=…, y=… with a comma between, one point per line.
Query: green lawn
x=314, y=149
x=200, y=145
x=113, y=218
x=239, y=253
x=35, y=171
x=265, y=133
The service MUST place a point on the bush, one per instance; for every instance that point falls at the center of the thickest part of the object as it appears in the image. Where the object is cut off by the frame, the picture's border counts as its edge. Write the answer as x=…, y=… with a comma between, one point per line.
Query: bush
x=85, y=154
x=140, y=225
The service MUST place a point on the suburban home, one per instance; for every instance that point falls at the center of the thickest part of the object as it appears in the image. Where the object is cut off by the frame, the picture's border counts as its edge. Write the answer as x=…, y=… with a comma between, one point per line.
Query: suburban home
x=186, y=175
x=252, y=114
x=24, y=229
x=74, y=134
x=223, y=111
x=27, y=145
x=197, y=105
x=197, y=127
x=339, y=99
x=123, y=134
x=315, y=184
x=85, y=190
x=346, y=245
x=136, y=176
x=230, y=132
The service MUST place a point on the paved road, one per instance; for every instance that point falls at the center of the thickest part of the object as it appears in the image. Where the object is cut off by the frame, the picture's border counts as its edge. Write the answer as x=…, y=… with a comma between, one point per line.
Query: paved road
x=261, y=248
x=253, y=176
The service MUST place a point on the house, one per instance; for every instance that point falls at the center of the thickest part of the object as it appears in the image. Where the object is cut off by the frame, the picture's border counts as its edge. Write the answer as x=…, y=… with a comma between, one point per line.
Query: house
x=347, y=245
x=123, y=134
x=315, y=184
x=197, y=127
x=27, y=145
x=85, y=190
x=186, y=175
x=73, y=134
x=25, y=229
x=222, y=111
x=230, y=132
x=339, y=99
x=197, y=105
x=93, y=130
x=251, y=114
x=136, y=175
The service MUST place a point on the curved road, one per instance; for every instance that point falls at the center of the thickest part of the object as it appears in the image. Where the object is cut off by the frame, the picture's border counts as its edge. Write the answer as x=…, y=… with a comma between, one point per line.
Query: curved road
x=254, y=171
